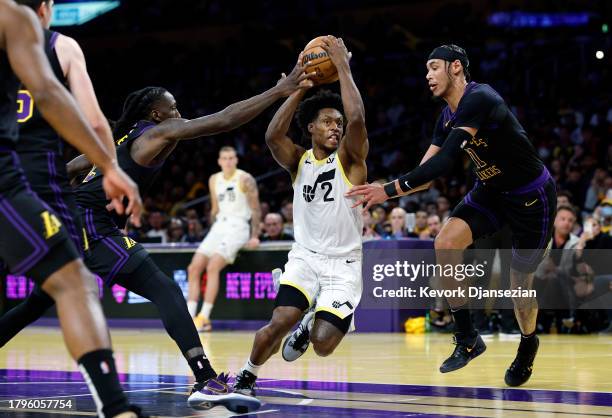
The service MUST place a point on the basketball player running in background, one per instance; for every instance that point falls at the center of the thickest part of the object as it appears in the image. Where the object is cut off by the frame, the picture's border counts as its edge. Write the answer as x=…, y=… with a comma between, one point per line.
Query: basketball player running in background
x=326, y=258
x=33, y=242
x=147, y=132
x=234, y=200
x=513, y=186
x=40, y=148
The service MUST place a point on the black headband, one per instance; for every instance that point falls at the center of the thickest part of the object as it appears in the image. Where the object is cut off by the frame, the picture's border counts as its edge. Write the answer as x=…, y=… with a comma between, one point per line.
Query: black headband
x=447, y=54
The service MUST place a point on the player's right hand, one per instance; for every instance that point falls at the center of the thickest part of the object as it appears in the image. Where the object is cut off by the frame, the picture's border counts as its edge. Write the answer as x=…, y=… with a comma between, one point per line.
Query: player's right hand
x=117, y=186
x=298, y=79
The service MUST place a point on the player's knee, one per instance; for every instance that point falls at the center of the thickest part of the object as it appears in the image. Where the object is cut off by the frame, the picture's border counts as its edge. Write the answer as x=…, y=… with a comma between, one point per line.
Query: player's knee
x=323, y=347
x=444, y=242
x=194, y=271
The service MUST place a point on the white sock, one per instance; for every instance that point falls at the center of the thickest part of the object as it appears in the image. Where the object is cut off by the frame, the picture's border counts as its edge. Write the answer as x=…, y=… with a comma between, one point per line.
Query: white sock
x=250, y=367
x=192, y=305
x=206, y=309
x=308, y=320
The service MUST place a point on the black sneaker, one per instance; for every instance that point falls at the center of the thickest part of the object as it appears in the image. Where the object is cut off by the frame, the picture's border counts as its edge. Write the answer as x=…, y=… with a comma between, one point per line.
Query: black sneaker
x=245, y=383
x=520, y=370
x=463, y=354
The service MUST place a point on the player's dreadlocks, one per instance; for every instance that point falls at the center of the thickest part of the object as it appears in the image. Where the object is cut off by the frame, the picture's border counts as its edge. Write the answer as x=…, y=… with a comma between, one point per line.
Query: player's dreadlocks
x=309, y=108
x=137, y=106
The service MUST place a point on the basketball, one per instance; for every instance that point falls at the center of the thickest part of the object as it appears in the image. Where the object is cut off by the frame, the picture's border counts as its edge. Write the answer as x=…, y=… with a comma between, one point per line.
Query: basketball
x=319, y=62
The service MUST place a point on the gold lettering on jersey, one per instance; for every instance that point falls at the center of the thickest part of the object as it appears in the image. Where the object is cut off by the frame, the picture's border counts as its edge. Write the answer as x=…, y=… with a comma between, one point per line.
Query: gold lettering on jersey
x=129, y=242
x=85, y=241
x=475, y=158
x=488, y=172
x=121, y=140
x=51, y=223
x=478, y=142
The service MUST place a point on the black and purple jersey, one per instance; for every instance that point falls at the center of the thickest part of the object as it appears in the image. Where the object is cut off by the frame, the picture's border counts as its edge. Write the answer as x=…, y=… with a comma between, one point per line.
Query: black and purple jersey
x=9, y=84
x=91, y=197
x=35, y=132
x=502, y=155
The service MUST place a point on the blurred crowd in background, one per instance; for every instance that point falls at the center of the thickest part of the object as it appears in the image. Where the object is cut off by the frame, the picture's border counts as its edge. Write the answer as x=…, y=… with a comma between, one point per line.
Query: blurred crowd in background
x=213, y=53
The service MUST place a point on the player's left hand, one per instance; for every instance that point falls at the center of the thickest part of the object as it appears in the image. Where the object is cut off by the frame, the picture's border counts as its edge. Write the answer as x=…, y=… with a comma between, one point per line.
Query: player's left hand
x=336, y=50
x=372, y=194
x=252, y=243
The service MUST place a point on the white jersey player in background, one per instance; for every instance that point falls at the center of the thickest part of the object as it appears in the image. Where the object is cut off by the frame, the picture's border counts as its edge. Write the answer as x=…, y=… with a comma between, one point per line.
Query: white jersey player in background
x=234, y=202
x=324, y=266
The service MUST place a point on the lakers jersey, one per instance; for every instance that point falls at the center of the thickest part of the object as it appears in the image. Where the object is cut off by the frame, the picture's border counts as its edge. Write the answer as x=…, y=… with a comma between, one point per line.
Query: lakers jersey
x=323, y=220
x=231, y=197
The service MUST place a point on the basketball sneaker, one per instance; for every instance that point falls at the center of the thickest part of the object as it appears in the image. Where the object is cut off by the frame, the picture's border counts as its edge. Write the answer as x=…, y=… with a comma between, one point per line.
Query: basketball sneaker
x=202, y=323
x=216, y=391
x=521, y=368
x=297, y=343
x=245, y=383
x=463, y=354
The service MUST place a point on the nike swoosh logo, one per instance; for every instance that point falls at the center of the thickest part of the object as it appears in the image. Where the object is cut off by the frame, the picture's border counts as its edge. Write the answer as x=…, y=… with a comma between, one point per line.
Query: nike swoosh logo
x=530, y=203
x=350, y=261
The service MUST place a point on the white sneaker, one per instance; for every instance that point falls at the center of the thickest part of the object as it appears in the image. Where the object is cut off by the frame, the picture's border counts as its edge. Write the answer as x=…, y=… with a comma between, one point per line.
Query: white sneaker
x=297, y=343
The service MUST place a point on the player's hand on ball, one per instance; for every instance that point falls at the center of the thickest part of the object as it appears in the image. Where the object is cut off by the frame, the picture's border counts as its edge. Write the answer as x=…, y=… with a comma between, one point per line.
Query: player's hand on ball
x=336, y=50
x=297, y=79
x=371, y=194
x=252, y=243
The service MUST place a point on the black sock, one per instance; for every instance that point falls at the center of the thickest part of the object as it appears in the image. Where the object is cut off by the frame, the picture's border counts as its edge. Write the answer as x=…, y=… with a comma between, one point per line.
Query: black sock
x=202, y=370
x=98, y=369
x=528, y=336
x=464, y=328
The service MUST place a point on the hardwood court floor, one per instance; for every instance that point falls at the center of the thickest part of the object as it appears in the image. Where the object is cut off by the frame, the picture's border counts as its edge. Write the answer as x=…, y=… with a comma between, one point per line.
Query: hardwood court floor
x=369, y=375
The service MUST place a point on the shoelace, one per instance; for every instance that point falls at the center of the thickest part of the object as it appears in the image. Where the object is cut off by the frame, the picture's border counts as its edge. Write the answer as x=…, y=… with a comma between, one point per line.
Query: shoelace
x=242, y=382
x=300, y=340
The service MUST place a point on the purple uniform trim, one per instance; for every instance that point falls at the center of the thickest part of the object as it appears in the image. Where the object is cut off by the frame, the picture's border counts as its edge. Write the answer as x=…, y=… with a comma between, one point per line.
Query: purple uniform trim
x=53, y=39
x=121, y=253
x=40, y=248
x=468, y=201
x=64, y=212
x=534, y=185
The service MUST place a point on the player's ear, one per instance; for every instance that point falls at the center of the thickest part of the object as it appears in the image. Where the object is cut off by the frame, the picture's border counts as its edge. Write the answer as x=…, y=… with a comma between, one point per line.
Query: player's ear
x=156, y=116
x=310, y=127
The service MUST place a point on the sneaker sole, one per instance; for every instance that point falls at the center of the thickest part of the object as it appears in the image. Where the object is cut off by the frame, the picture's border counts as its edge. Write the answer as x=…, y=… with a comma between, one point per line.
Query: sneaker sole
x=235, y=402
x=475, y=354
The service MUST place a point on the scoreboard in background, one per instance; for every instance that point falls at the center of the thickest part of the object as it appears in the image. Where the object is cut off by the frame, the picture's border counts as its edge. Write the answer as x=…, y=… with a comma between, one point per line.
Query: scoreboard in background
x=246, y=288
x=72, y=13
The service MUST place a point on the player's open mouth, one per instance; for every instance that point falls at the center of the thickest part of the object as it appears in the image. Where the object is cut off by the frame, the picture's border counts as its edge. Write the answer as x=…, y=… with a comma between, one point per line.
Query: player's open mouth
x=333, y=138
x=432, y=87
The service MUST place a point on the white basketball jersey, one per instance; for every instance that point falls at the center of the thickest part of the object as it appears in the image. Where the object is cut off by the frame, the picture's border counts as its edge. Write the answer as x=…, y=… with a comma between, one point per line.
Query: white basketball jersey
x=231, y=198
x=323, y=220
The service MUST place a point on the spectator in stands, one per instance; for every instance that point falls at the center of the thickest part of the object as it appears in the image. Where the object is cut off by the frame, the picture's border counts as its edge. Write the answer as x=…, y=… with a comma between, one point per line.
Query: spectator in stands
x=397, y=224
x=176, y=230
x=195, y=231
x=273, y=229
x=287, y=212
x=420, y=224
x=368, y=227
x=604, y=213
x=433, y=227
x=443, y=207
x=156, y=223
x=564, y=198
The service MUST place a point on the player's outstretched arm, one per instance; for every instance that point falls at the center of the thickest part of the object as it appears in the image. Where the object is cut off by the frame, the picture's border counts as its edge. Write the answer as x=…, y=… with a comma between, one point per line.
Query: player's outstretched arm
x=23, y=40
x=73, y=64
x=214, y=204
x=355, y=142
x=438, y=165
x=232, y=117
x=286, y=153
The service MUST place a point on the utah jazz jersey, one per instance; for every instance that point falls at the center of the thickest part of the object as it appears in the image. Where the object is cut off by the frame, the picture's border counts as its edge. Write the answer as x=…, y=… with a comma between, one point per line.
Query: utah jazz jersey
x=35, y=132
x=91, y=197
x=502, y=155
x=231, y=198
x=323, y=220
x=9, y=84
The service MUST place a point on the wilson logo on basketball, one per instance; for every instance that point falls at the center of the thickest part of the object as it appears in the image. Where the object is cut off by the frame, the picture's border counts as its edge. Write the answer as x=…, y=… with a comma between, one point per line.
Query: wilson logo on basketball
x=313, y=56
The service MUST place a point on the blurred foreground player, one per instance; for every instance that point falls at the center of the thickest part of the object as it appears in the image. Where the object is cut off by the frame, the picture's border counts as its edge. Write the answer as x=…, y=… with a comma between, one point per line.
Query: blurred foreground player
x=513, y=187
x=40, y=150
x=33, y=242
x=146, y=134
x=324, y=266
x=234, y=201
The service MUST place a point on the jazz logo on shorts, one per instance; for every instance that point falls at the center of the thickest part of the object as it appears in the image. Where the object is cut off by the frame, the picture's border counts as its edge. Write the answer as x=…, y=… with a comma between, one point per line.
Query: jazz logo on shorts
x=51, y=223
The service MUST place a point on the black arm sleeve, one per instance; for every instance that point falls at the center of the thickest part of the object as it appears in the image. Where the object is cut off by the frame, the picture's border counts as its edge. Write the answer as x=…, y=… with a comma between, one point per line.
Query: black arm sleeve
x=439, y=164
